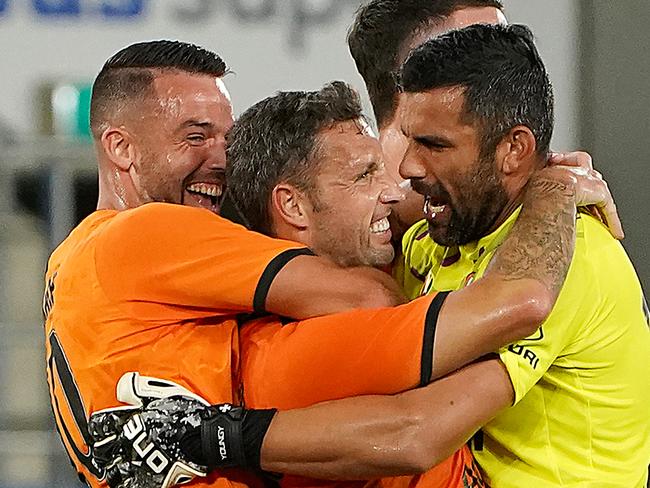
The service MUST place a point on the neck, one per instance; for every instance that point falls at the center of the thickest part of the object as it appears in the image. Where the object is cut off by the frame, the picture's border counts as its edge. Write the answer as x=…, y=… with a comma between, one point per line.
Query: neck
x=116, y=190
x=515, y=188
x=506, y=212
x=282, y=230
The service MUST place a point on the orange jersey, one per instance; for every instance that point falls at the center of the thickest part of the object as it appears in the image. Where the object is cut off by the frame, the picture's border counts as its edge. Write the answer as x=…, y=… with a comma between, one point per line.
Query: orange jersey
x=361, y=352
x=156, y=290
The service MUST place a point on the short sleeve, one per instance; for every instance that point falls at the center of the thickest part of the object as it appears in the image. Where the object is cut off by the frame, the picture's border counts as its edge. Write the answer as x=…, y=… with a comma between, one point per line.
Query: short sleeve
x=528, y=359
x=164, y=257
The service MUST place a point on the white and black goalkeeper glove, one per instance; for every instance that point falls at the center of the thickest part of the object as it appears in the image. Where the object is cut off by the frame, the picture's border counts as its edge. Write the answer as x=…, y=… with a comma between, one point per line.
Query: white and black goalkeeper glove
x=167, y=435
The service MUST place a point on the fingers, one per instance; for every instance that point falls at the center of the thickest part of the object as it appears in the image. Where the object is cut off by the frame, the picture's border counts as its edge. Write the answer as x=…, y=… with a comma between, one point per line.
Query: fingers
x=591, y=189
x=577, y=159
x=611, y=219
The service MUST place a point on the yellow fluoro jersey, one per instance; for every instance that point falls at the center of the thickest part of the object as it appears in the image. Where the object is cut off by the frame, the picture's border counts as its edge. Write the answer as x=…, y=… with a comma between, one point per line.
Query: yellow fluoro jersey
x=412, y=265
x=581, y=416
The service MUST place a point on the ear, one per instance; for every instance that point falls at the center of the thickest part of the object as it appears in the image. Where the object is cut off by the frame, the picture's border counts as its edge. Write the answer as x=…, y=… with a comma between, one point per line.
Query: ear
x=289, y=206
x=515, y=150
x=119, y=146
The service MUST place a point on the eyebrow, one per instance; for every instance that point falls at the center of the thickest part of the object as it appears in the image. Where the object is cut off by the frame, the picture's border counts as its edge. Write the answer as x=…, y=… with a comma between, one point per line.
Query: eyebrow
x=433, y=140
x=371, y=165
x=196, y=123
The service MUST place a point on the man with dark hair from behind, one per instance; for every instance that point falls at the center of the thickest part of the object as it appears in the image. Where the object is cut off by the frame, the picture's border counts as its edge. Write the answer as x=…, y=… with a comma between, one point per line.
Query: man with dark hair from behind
x=382, y=35
x=478, y=114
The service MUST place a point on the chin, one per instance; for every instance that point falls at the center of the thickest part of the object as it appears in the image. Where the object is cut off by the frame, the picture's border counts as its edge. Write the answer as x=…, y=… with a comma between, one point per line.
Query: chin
x=381, y=258
x=442, y=237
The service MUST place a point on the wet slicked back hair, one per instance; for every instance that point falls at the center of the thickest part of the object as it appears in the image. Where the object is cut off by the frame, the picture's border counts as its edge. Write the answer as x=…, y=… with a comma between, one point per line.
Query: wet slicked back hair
x=380, y=32
x=276, y=141
x=128, y=75
x=504, y=80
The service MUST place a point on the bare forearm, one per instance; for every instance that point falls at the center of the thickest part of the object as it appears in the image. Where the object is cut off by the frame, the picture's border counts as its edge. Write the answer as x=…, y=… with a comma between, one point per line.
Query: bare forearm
x=484, y=317
x=311, y=286
x=373, y=436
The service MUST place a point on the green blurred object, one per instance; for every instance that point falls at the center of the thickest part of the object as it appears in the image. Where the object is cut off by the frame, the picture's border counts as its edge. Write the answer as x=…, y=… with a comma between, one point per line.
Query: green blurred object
x=83, y=112
x=65, y=110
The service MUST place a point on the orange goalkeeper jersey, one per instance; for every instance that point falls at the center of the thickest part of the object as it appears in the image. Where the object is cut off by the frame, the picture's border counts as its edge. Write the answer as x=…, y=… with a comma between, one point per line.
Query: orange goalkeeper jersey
x=361, y=352
x=156, y=290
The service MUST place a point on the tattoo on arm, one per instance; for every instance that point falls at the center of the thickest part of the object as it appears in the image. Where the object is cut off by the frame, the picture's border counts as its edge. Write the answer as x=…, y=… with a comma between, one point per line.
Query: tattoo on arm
x=540, y=245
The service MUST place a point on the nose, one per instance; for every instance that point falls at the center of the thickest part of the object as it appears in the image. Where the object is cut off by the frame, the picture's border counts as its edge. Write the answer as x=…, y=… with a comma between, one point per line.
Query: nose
x=392, y=192
x=215, y=153
x=412, y=166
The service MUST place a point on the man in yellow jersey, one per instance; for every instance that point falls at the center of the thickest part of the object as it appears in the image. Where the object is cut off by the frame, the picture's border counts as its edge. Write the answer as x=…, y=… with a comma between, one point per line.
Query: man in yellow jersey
x=381, y=37
x=477, y=111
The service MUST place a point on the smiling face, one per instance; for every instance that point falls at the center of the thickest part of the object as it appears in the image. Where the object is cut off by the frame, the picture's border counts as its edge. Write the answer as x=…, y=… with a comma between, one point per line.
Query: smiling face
x=352, y=198
x=463, y=191
x=181, y=141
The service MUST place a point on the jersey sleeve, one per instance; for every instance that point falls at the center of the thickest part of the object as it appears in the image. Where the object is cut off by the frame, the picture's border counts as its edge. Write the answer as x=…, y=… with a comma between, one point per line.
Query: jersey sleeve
x=187, y=260
x=381, y=351
x=414, y=262
x=576, y=307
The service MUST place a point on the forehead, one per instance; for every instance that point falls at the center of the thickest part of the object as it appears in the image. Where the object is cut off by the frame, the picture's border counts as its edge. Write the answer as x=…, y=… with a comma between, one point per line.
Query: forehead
x=347, y=145
x=457, y=20
x=440, y=109
x=187, y=95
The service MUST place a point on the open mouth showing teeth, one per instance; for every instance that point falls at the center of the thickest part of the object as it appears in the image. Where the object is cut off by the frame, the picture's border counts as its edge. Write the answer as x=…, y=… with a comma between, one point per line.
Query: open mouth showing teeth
x=431, y=209
x=211, y=191
x=381, y=225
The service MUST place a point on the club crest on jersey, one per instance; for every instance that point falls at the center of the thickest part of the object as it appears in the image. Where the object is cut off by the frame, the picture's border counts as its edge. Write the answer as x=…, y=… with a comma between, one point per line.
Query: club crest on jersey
x=428, y=285
x=469, y=279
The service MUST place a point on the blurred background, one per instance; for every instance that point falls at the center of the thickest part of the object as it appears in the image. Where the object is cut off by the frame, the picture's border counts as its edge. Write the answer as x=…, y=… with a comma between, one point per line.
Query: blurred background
x=597, y=52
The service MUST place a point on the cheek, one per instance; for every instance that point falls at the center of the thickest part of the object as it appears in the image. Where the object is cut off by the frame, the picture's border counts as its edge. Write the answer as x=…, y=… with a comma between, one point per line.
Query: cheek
x=365, y=205
x=394, y=148
x=451, y=167
x=345, y=217
x=185, y=159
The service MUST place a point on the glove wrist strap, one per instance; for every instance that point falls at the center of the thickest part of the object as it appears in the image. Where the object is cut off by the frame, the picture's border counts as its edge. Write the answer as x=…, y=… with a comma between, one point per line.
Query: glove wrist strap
x=221, y=438
x=254, y=427
x=232, y=436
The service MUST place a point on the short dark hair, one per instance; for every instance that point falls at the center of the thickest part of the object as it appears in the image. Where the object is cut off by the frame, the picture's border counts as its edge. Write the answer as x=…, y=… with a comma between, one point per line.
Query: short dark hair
x=276, y=140
x=380, y=31
x=504, y=79
x=128, y=75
